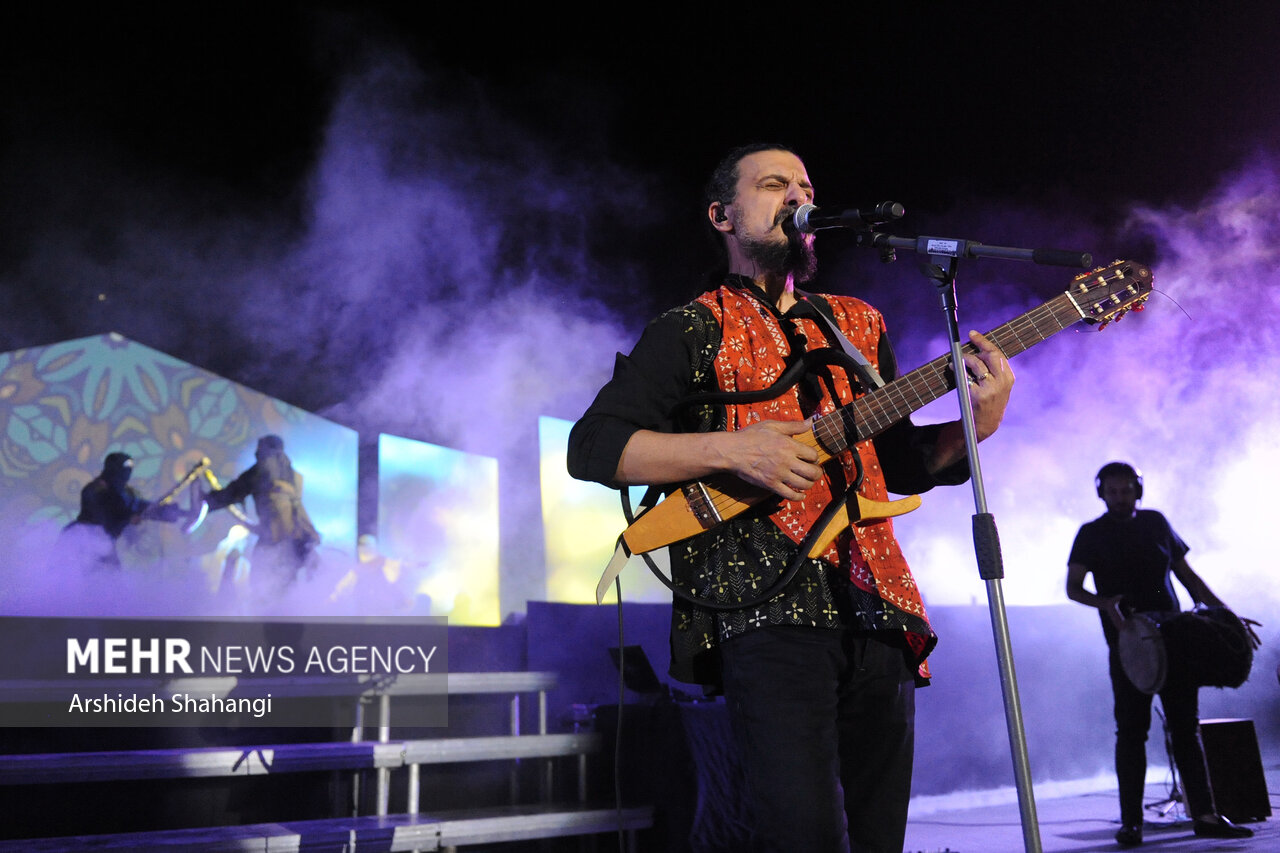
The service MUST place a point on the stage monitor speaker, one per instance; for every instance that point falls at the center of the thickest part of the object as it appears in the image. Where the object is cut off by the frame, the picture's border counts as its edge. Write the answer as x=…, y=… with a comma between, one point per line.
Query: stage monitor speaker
x=1235, y=769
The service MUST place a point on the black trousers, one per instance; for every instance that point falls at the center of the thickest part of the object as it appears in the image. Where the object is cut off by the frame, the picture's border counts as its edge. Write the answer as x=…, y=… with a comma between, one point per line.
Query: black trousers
x=1181, y=704
x=825, y=721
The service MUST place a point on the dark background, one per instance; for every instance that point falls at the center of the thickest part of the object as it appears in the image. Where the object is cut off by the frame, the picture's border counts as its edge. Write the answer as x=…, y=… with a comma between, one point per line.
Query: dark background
x=206, y=124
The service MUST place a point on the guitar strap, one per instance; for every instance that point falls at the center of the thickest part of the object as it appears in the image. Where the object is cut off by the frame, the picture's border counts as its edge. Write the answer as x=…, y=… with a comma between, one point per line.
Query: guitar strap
x=822, y=314
x=827, y=322
x=800, y=363
x=620, y=556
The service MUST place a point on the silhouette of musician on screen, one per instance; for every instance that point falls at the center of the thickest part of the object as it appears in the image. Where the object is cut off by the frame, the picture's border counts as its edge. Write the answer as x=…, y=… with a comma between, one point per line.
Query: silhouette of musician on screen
x=108, y=506
x=286, y=537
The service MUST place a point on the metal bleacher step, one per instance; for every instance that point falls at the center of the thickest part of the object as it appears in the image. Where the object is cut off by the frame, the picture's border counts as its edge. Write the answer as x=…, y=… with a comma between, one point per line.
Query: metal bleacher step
x=414, y=829
x=390, y=833
x=515, y=823
x=62, y=767
x=349, y=835
x=204, y=762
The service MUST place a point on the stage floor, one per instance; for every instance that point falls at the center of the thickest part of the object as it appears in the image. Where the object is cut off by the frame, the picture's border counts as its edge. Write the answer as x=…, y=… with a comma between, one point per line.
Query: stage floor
x=1085, y=820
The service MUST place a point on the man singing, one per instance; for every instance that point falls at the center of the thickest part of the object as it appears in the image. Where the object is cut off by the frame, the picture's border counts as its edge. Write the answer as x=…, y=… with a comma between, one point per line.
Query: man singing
x=819, y=678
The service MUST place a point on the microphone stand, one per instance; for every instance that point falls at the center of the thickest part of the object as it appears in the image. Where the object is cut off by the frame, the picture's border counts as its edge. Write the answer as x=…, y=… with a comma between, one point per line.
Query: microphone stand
x=944, y=255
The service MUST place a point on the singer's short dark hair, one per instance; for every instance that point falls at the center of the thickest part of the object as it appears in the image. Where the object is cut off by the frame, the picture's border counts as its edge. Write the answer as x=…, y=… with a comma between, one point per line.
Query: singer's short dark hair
x=722, y=186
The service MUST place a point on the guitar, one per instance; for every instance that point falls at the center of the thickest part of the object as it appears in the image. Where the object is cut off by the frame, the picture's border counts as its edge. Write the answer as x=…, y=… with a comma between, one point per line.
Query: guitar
x=162, y=507
x=188, y=478
x=1098, y=297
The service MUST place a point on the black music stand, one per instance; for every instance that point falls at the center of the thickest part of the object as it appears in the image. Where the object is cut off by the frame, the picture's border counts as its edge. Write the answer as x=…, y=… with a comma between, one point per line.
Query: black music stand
x=1175, y=799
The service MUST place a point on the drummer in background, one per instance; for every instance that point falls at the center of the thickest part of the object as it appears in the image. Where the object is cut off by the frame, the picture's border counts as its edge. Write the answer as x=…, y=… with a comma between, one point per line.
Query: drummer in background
x=1131, y=553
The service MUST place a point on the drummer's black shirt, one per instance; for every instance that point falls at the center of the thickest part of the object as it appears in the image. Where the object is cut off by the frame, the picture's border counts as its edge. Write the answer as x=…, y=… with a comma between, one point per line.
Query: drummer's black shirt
x=1132, y=557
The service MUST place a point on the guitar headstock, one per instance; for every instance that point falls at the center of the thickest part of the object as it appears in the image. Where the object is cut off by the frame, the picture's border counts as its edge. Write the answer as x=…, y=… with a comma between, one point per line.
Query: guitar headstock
x=1106, y=294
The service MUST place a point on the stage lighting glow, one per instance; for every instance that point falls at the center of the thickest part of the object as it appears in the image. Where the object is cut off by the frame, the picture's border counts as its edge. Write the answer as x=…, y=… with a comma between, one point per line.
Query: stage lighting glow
x=438, y=515
x=581, y=522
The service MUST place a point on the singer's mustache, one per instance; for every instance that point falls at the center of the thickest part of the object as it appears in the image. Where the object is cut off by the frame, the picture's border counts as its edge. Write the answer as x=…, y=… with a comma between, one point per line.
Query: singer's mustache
x=787, y=219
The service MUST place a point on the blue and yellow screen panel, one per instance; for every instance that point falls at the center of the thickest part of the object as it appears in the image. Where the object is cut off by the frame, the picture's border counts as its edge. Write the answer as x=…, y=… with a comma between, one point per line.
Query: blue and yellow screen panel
x=581, y=522
x=438, y=515
x=65, y=406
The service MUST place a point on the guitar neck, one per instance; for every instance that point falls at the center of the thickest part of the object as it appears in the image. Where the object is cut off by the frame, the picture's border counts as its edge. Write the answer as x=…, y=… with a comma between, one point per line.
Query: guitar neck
x=872, y=414
x=1101, y=296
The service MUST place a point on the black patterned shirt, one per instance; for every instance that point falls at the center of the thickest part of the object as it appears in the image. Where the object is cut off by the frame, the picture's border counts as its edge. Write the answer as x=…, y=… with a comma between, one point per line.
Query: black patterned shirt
x=743, y=557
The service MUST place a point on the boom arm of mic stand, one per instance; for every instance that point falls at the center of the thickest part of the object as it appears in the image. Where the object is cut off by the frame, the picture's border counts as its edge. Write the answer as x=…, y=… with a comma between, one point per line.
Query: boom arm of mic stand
x=953, y=248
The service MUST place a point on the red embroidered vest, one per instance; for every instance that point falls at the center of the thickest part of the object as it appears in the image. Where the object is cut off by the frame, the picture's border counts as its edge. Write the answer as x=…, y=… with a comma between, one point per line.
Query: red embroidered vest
x=752, y=356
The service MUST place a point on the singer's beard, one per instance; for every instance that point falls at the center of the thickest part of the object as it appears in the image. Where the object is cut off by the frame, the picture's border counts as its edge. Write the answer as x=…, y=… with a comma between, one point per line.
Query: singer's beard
x=793, y=256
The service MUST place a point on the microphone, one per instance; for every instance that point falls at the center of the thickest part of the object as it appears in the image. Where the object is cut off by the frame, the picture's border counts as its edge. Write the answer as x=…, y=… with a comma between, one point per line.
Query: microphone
x=809, y=218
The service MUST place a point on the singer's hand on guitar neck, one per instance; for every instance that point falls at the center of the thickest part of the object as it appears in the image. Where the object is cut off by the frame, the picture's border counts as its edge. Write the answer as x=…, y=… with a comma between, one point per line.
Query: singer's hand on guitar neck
x=990, y=381
x=764, y=454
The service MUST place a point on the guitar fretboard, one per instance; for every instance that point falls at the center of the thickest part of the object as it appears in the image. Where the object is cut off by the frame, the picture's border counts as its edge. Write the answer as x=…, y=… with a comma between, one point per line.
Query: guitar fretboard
x=872, y=414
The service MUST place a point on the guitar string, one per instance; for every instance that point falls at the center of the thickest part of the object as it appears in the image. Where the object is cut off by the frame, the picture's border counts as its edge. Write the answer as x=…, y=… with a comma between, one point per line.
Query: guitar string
x=870, y=412
x=1039, y=324
x=879, y=411
x=927, y=383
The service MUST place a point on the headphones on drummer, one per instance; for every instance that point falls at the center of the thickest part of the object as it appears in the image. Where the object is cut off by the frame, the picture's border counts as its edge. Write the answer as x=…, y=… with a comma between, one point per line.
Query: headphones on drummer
x=1119, y=469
